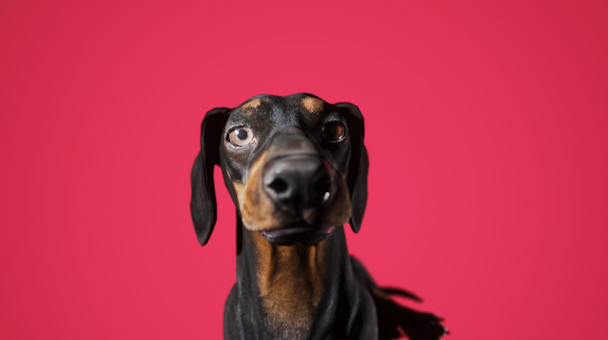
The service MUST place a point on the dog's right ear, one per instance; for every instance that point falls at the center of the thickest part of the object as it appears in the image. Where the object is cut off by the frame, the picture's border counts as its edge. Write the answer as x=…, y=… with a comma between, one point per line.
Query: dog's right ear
x=203, y=205
x=359, y=163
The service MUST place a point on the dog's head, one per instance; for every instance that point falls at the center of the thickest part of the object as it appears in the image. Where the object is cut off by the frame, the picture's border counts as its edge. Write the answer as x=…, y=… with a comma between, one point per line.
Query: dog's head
x=295, y=167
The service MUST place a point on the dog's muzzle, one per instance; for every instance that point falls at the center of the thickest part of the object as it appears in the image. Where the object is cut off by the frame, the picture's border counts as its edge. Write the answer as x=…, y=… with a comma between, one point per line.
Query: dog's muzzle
x=301, y=185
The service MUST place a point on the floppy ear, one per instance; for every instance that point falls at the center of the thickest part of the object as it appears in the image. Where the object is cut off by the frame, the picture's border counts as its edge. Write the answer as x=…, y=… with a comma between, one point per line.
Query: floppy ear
x=203, y=205
x=359, y=163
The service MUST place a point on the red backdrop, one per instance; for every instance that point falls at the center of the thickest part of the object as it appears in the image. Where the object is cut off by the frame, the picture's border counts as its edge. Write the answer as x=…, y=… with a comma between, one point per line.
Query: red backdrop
x=486, y=126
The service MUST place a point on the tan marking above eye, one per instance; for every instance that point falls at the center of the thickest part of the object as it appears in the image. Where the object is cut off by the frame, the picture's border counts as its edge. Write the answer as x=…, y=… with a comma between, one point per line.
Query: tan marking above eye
x=252, y=104
x=312, y=104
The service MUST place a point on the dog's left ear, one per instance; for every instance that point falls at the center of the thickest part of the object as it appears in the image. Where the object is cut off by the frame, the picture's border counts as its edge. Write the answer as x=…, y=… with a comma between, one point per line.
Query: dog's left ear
x=203, y=205
x=359, y=163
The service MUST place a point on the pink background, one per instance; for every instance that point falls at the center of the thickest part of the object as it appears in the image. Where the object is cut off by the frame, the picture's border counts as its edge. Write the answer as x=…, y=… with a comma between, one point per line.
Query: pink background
x=487, y=128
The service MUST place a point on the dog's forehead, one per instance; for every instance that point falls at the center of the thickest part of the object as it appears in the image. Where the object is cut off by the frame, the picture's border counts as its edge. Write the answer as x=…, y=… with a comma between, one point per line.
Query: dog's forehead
x=289, y=110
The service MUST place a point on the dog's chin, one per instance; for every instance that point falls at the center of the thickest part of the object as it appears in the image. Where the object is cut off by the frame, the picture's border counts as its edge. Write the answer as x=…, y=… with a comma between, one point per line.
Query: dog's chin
x=298, y=233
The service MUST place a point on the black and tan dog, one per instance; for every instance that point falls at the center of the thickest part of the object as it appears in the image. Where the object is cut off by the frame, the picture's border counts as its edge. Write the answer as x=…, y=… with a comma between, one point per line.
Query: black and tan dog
x=296, y=168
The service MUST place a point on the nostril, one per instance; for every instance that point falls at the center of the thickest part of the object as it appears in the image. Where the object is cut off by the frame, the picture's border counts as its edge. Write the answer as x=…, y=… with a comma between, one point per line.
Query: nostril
x=278, y=185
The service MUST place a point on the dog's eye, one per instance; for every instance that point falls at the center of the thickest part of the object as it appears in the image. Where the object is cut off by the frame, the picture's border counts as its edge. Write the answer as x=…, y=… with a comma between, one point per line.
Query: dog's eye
x=241, y=136
x=334, y=131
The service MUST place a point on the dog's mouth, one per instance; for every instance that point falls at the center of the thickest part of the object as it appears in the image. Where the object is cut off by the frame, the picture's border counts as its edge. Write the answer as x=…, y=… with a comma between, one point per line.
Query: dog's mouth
x=298, y=233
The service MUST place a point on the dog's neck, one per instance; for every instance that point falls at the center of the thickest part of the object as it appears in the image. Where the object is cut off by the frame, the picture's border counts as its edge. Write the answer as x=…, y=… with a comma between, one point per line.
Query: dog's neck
x=297, y=288
x=290, y=281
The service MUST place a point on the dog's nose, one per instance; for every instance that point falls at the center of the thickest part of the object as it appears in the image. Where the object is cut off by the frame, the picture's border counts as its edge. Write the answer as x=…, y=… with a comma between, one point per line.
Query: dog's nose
x=298, y=183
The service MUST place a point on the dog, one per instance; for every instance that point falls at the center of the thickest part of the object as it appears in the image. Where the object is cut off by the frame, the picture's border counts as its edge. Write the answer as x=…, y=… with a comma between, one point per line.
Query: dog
x=296, y=169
